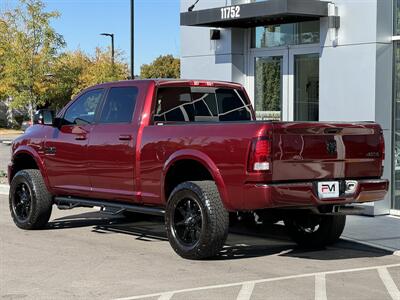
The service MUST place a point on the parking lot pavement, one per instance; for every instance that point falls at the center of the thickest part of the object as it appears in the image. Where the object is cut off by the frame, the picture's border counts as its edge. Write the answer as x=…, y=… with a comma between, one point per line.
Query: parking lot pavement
x=88, y=254
x=4, y=156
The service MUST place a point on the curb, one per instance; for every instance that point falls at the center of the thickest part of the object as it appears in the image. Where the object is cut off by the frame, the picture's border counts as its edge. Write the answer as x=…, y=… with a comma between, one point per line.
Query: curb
x=4, y=188
x=377, y=246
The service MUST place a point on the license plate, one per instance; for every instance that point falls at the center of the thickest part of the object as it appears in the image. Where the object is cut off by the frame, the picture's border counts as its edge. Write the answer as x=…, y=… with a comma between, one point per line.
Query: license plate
x=328, y=189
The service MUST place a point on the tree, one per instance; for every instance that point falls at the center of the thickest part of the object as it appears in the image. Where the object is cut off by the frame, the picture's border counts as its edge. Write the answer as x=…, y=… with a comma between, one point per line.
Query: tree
x=75, y=71
x=64, y=79
x=29, y=49
x=165, y=66
x=102, y=70
x=34, y=73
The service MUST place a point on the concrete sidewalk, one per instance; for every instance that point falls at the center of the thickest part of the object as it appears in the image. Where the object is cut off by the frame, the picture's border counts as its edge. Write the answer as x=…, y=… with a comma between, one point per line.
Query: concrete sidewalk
x=8, y=137
x=382, y=232
x=4, y=188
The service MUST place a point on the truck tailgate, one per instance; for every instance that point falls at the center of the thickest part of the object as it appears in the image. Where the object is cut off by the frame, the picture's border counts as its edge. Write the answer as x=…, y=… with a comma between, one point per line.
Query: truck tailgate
x=304, y=151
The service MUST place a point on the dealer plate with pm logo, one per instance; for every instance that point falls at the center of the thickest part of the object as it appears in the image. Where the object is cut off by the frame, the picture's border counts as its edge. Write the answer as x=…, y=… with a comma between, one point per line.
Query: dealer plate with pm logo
x=328, y=189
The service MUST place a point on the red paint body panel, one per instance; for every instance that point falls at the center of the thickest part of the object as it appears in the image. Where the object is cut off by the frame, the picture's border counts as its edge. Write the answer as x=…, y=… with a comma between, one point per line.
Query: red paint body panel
x=111, y=169
x=67, y=168
x=92, y=161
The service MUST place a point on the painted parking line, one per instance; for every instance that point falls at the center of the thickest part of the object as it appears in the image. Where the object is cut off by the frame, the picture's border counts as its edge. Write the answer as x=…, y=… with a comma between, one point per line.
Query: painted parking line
x=389, y=283
x=320, y=287
x=246, y=291
x=166, y=296
x=253, y=282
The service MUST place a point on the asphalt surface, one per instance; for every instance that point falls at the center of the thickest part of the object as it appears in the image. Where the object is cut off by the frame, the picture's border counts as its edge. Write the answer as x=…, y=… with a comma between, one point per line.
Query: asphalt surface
x=4, y=156
x=87, y=254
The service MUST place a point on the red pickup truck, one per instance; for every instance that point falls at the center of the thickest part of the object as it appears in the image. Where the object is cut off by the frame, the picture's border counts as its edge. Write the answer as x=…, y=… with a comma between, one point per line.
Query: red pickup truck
x=193, y=152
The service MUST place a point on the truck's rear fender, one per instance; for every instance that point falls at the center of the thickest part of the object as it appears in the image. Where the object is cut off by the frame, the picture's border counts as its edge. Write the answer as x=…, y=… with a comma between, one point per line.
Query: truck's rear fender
x=25, y=152
x=203, y=161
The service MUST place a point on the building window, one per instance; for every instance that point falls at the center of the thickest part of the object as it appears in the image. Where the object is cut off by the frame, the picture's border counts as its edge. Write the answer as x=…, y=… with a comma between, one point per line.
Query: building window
x=306, y=87
x=286, y=34
x=396, y=96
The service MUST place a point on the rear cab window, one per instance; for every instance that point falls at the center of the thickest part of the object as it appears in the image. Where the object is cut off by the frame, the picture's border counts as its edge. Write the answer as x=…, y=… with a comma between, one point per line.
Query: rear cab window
x=201, y=104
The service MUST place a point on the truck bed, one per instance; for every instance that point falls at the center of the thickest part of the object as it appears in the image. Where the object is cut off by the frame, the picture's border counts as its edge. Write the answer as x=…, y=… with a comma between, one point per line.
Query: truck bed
x=302, y=153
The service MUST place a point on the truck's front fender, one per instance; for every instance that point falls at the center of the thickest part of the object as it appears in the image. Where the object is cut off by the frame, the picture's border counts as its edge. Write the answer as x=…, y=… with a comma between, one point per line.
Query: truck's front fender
x=28, y=150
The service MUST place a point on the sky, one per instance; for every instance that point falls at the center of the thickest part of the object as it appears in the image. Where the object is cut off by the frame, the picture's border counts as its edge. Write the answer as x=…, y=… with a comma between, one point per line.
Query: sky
x=81, y=22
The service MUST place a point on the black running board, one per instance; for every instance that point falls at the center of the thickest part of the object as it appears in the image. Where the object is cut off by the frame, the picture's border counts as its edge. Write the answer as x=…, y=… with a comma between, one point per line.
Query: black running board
x=69, y=202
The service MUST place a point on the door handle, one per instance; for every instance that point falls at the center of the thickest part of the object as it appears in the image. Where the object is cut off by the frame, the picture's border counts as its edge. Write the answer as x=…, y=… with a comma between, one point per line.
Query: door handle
x=80, y=137
x=125, y=137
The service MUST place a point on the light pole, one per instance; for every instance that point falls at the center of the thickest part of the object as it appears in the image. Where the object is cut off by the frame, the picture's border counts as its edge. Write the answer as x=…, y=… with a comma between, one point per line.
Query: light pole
x=132, y=39
x=112, y=46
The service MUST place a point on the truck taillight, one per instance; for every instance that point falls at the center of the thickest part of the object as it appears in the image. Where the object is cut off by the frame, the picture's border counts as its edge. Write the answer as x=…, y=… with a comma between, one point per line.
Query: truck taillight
x=259, y=155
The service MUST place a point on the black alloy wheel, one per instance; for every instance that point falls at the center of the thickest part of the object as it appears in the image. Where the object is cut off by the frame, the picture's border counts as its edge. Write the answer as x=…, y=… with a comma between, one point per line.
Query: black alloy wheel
x=196, y=220
x=187, y=221
x=315, y=231
x=22, y=202
x=29, y=200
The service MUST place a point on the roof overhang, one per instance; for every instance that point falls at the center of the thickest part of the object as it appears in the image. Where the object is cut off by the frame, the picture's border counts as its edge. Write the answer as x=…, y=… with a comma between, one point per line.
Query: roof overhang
x=257, y=14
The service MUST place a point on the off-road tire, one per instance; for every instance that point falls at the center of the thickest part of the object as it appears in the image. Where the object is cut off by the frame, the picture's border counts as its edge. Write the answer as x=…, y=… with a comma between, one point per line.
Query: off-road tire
x=329, y=230
x=41, y=199
x=214, y=218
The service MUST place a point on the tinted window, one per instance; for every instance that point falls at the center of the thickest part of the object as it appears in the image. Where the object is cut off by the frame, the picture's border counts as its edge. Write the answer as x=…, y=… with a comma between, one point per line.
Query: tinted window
x=174, y=104
x=83, y=110
x=199, y=104
x=232, y=105
x=119, y=105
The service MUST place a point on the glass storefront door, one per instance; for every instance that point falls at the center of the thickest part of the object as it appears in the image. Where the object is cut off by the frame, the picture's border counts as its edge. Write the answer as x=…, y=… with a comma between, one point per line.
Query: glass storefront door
x=284, y=83
x=306, y=87
x=268, y=87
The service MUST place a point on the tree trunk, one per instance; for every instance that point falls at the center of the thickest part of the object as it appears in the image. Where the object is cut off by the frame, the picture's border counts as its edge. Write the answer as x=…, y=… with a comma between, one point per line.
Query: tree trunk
x=10, y=114
x=32, y=109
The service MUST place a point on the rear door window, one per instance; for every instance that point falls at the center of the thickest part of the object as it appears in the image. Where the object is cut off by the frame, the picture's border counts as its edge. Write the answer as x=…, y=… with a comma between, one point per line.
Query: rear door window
x=201, y=104
x=119, y=105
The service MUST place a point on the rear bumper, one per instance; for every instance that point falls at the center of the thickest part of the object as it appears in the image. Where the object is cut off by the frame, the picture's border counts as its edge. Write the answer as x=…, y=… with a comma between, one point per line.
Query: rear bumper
x=303, y=194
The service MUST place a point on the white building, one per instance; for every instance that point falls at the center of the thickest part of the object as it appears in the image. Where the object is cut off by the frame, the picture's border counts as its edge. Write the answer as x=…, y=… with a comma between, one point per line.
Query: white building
x=305, y=60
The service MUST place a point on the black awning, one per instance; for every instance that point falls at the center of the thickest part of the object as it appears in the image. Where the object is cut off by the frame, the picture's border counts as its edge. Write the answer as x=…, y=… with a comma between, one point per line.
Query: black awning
x=257, y=14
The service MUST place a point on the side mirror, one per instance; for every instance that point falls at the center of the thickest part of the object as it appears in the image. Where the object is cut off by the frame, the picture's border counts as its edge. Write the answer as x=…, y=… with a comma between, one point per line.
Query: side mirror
x=44, y=117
